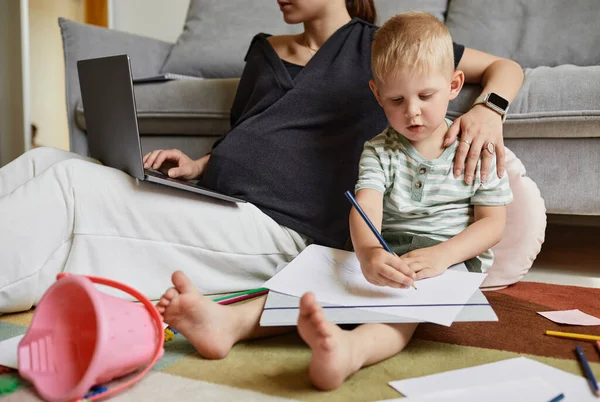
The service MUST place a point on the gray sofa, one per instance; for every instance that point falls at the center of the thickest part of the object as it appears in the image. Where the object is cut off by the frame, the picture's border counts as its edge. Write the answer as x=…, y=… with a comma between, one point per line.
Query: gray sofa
x=553, y=125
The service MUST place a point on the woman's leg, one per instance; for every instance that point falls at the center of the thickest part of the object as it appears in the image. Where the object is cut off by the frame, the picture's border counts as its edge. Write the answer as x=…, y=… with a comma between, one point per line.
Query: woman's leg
x=336, y=353
x=85, y=218
x=31, y=164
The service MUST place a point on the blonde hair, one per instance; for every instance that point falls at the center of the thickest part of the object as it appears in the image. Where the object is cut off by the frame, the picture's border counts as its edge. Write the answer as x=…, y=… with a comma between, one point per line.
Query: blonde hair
x=414, y=40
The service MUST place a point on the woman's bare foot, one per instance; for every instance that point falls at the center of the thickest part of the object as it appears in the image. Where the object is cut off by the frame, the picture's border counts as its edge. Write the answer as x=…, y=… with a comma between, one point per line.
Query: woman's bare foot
x=332, y=350
x=206, y=324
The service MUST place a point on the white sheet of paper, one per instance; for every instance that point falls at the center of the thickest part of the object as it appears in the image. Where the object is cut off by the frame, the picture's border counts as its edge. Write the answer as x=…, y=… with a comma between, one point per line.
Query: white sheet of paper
x=531, y=389
x=8, y=352
x=573, y=317
x=574, y=388
x=335, y=277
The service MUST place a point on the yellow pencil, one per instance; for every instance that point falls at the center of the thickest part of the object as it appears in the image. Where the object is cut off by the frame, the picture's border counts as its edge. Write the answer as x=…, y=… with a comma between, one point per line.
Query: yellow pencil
x=571, y=335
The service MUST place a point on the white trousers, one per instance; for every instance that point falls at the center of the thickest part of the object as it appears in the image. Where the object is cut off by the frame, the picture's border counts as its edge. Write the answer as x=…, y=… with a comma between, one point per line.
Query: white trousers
x=60, y=212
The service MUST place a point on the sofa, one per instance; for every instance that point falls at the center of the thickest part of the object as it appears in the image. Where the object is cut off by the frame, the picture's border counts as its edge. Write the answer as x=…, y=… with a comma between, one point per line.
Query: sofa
x=553, y=126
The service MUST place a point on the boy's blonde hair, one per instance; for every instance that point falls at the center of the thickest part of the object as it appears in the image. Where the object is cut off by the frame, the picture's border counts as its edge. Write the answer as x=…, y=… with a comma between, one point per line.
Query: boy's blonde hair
x=414, y=40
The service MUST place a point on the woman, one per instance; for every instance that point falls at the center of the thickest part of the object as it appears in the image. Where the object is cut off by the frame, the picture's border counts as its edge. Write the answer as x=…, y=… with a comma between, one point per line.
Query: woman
x=292, y=152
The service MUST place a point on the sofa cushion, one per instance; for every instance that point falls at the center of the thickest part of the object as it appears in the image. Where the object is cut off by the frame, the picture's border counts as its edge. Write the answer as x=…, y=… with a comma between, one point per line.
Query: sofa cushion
x=554, y=102
x=185, y=107
x=532, y=32
x=217, y=33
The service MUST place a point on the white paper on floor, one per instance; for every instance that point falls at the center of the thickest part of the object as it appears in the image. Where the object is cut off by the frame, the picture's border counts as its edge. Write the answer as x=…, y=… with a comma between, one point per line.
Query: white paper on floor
x=574, y=388
x=8, y=352
x=572, y=317
x=531, y=389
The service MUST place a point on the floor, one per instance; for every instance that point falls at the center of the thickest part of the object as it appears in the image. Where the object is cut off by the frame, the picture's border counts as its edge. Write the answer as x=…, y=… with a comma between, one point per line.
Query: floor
x=570, y=256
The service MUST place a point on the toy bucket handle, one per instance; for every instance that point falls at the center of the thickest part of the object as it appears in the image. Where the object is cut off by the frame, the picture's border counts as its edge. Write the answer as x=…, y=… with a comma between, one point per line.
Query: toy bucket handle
x=155, y=315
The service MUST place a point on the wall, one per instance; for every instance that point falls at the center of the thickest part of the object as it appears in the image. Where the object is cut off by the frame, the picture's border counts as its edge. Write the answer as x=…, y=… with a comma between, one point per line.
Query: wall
x=13, y=85
x=47, y=70
x=160, y=19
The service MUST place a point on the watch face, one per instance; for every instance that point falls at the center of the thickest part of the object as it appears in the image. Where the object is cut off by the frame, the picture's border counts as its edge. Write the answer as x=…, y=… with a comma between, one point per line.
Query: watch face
x=498, y=101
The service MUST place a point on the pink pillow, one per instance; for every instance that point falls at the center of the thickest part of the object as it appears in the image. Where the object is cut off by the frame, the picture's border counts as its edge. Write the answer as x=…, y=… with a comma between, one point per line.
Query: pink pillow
x=525, y=228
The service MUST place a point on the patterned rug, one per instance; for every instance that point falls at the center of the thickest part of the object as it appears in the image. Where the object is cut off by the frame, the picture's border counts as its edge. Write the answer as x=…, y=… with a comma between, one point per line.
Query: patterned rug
x=275, y=369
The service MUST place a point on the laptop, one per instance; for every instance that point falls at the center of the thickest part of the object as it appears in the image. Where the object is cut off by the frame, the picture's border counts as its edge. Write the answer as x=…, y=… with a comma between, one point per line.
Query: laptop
x=111, y=120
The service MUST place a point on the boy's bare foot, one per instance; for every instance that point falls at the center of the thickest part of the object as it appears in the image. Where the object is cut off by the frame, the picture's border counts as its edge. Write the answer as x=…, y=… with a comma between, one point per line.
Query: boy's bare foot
x=206, y=324
x=332, y=352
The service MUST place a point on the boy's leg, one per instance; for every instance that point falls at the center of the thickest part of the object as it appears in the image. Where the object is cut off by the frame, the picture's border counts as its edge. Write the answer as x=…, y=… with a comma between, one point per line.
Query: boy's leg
x=336, y=353
x=212, y=328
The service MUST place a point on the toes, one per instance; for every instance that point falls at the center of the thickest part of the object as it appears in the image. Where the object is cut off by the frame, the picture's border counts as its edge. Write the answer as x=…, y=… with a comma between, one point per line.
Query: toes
x=182, y=283
x=170, y=294
x=308, y=304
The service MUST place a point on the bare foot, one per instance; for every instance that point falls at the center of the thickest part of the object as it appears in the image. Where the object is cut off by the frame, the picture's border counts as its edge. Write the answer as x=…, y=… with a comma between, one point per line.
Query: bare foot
x=206, y=324
x=332, y=352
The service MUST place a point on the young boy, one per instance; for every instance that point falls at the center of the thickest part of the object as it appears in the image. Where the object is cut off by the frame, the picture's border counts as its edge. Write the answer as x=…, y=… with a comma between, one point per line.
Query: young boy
x=406, y=181
x=406, y=186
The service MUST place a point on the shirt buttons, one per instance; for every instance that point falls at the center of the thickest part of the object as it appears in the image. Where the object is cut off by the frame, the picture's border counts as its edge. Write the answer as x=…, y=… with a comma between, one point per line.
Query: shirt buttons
x=418, y=184
x=422, y=170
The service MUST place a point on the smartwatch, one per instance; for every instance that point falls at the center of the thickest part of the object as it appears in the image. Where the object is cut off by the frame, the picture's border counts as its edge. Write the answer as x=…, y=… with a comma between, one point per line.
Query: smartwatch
x=495, y=102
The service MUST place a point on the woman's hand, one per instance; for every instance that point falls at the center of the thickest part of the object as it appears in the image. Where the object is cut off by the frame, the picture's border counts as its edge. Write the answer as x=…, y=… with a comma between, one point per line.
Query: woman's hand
x=478, y=127
x=426, y=262
x=382, y=268
x=175, y=163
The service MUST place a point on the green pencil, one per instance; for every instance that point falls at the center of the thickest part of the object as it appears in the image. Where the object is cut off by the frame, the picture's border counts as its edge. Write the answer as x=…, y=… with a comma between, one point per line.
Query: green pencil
x=246, y=292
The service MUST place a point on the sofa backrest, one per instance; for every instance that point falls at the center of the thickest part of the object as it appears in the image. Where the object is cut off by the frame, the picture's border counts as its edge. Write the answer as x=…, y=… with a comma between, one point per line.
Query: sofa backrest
x=217, y=33
x=531, y=32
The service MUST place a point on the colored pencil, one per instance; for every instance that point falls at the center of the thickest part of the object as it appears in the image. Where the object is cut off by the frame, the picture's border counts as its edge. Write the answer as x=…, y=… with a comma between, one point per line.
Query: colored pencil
x=588, y=371
x=246, y=292
x=572, y=335
x=371, y=226
x=243, y=297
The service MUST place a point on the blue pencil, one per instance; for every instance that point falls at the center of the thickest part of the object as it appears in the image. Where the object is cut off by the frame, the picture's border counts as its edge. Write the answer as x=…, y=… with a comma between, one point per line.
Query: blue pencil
x=371, y=226
x=588, y=371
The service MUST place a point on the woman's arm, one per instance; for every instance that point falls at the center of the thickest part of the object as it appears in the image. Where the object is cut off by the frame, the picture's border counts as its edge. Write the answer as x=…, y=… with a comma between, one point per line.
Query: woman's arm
x=481, y=124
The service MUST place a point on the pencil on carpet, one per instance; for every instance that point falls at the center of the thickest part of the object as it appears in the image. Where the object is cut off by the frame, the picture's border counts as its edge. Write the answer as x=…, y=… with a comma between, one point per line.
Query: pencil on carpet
x=243, y=297
x=588, y=371
x=572, y=335
x=246, y=292
x=371, y=226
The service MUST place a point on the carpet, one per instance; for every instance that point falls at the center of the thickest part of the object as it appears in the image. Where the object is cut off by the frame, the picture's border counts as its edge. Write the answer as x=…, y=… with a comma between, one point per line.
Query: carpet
x=275, y=369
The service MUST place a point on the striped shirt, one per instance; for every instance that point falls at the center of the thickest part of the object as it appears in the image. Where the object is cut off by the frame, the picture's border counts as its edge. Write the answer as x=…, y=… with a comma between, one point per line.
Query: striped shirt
x=422, y=197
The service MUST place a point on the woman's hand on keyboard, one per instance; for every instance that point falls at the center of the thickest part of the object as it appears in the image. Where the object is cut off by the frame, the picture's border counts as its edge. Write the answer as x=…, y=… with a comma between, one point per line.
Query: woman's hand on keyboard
x=175, y=163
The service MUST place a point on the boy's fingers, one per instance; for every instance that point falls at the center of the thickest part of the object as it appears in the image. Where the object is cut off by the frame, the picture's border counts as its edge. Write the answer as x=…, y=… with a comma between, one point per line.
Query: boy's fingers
x=426, y=273
x=396, y=276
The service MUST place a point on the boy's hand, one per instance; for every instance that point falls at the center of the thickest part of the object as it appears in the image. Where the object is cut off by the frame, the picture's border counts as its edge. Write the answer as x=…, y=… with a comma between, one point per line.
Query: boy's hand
x=426, y=262
x=384, y=269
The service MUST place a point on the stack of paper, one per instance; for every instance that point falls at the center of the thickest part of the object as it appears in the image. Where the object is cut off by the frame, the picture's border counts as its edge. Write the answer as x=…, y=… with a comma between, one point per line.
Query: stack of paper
x=335, y=277
x=471, y=380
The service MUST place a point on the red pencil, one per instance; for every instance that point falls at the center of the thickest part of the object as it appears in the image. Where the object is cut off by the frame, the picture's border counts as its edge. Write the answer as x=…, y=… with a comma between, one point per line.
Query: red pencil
x=243, y=297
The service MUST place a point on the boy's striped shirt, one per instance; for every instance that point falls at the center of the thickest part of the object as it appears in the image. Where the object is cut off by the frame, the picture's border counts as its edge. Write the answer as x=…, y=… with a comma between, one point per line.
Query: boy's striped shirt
x=422, y=197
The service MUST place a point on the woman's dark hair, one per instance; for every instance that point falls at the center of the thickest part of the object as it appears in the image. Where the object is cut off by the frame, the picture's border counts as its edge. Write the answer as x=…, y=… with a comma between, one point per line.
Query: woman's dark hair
x=363, y=9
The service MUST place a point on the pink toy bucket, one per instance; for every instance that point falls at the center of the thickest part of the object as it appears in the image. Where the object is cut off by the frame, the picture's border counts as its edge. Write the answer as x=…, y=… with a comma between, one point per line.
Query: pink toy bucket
x=80, y=337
